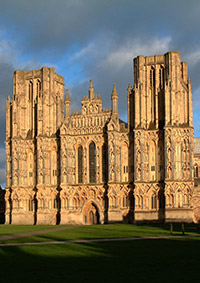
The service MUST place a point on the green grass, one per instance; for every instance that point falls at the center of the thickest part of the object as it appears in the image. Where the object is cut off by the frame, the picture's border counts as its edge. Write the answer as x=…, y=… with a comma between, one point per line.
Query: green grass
x=174, y=260
x=160, y=260
x=100, y=231
x=16, y=229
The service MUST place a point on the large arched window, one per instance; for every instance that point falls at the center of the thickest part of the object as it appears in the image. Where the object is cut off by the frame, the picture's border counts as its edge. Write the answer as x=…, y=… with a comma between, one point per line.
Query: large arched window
x=92, y=162
x=80, y=164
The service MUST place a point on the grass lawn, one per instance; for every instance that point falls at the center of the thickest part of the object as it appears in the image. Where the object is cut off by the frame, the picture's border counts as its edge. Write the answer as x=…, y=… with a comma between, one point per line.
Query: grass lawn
x=95, y=232
x=171, y=260
x=16, y=229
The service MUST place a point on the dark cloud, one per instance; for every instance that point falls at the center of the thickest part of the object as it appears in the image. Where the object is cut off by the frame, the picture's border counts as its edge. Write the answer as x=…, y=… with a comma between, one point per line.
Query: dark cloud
x=54, y=27
x=97, y=40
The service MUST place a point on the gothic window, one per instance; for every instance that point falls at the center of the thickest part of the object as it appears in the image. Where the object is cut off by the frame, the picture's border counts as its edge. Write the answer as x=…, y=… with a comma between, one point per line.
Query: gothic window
x=80, y=164
x=154, y=202
x=92, y=162
x=124, y=201
x=179, y=199
x=152, y=77
x=161, y=77
x=172, y=200
x=30, y=90
x=138, y=201
x=104, y=163
x=141, y=201
x=38, y=87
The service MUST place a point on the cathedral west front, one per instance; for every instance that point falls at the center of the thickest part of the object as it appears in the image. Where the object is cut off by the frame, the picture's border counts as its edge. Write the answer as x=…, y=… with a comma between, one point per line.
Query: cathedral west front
x=90, y=167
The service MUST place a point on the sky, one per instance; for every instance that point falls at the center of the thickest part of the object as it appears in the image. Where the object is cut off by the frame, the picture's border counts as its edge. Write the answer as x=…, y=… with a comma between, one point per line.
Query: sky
x=92, y=39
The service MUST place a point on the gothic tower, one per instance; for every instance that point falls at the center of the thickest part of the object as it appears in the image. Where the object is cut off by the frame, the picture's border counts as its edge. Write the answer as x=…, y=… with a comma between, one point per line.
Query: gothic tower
x=160, y=116
x=34, y=115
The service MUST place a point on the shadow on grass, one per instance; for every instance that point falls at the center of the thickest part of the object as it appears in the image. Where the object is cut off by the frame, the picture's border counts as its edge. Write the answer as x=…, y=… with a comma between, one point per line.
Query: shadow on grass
x=177, y=227
x=174, y=260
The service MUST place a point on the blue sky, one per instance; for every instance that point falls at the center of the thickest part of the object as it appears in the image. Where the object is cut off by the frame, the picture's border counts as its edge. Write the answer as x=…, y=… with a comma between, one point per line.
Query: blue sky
x=92, y=39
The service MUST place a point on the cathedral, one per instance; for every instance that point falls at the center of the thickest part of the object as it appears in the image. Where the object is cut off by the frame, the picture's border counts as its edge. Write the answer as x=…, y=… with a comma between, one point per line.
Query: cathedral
x=90, y=167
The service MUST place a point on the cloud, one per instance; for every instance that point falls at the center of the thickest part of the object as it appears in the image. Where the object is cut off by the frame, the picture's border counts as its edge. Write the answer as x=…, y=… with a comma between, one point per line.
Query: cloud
x=113, y=64
x=132, y=48
x=194, y=57
x=95, y=40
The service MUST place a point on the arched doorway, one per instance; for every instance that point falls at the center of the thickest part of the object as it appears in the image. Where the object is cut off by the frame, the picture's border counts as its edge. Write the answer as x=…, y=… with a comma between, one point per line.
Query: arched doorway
x=91, y=214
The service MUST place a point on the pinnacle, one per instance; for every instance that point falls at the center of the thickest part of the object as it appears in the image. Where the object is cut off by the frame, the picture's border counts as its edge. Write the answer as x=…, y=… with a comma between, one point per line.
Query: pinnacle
x=67, y=97
x=91, y=90
x=114, y=92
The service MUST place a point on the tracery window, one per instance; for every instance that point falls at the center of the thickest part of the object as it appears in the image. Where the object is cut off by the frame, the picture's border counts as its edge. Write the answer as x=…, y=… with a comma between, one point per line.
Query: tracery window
x=80, y=164
x=104, y=163
x=92, y=162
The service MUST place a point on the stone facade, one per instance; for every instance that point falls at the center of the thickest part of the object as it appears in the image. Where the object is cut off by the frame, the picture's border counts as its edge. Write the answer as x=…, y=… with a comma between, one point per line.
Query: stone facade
x=90, y=167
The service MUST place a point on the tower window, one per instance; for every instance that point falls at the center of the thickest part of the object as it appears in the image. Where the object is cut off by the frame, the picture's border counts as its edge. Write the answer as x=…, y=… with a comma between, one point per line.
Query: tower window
x=152, y=77
x=161, y=77
x=38, y=87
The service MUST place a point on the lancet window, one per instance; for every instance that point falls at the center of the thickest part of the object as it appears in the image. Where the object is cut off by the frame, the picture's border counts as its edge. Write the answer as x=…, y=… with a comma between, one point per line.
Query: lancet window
x=80, y=164
x=154, y=201
x=38, y=87
x=161, y=76
x=152, y=77
x=92, y=162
